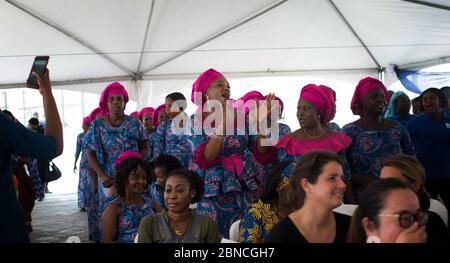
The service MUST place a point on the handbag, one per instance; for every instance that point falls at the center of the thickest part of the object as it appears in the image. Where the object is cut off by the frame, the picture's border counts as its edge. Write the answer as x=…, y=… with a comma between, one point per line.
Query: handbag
x=53, y=172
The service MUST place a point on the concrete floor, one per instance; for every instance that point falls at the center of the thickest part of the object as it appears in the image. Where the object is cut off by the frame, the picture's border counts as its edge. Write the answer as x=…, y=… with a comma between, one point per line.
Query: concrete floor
x=57, y=218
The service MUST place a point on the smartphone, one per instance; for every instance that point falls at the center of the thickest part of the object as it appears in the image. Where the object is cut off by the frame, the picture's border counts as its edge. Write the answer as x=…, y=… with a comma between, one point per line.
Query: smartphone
x=39, y=65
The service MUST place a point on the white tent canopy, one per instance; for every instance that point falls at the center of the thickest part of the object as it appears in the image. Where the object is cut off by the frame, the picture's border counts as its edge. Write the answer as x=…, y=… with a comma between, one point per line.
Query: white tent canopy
x=102, y=40
x=159, y=46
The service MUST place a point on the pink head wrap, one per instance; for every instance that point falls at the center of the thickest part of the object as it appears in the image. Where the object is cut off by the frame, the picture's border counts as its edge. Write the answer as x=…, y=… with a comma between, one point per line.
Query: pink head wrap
x=202, y=84
x=87, y=120
x=365, y=86
x=319, y=98
x=97, y=112
x=125, y=155
x=146, y=111
x=251, y=95
x=135, y=114
x=156, y=113
x=112, y=89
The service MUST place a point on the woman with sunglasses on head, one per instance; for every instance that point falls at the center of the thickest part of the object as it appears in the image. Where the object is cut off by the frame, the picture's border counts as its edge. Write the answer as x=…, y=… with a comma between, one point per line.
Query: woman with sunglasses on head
x=388, y=212
x=408, y=169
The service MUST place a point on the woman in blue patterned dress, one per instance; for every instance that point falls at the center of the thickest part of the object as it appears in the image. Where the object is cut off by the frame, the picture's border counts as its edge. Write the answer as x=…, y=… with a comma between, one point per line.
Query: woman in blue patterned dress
x=315, y=109
x=267, y=160
x=123, y=215
x=145, y=116
x=169, y=138
x=110, y=135
x=374, y=137
x=84, y=166
x=230, y=175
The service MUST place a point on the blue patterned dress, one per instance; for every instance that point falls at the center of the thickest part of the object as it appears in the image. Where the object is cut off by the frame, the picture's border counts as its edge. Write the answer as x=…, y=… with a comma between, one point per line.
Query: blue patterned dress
x=228, y=188
x=35, y=178
x=109, y=142
x=150, y=146
x=130, y=218
x=83, y=173
x=168, y=142
x=156, y=193
x=370, y=148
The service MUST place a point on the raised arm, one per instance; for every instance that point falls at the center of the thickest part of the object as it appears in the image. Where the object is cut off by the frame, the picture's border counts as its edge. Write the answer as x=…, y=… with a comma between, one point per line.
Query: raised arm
x=53, y=126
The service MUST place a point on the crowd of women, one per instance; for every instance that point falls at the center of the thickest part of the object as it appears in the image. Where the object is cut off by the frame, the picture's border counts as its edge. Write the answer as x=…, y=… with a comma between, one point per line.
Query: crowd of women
x=142, y=175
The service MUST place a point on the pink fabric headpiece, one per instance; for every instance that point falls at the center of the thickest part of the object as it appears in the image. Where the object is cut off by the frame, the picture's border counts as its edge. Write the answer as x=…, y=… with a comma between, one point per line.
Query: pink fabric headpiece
x=202, y=83
x=146, y=111
x=156, y=113
x=125, y=155
x=365, y=86
x=319, y=98
x=112, y=89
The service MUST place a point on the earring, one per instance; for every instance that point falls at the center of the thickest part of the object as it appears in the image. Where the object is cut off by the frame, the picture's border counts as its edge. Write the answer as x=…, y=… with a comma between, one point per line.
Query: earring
x=373, y=239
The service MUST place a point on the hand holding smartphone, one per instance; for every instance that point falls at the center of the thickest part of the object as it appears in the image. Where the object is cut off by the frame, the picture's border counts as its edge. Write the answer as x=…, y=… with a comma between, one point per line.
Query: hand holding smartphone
x=39, y=65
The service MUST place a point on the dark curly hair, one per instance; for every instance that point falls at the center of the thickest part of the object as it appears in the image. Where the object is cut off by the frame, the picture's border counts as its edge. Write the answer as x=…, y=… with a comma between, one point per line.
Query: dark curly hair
x=196, y=183
x=124, y=170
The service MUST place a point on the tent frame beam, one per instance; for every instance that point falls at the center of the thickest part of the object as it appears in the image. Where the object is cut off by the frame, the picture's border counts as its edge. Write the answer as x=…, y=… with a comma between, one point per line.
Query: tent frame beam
x=443, y=7
x=150, y=15
x=425, y=63
x=215, y=35
x=70, y=35
x=354, y=33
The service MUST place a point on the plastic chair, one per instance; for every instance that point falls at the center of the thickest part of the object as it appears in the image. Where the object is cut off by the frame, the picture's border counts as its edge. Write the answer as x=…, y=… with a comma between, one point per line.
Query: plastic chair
x=234, y=231
x=224, y=240
x=440, y=209
x=346, y=209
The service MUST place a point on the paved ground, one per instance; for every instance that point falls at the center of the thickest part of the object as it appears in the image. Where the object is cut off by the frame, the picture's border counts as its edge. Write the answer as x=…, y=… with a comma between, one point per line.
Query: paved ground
x=57, y=218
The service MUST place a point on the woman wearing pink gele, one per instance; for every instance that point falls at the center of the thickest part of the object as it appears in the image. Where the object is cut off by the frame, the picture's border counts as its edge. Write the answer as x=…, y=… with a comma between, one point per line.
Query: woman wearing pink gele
x=110, y=135
x=230, y=175
x=145, y=115
x=374, y=137
x=315, y=109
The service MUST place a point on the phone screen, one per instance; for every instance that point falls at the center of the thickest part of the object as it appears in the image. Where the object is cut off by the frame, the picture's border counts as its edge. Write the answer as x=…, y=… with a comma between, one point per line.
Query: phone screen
x=39, y=65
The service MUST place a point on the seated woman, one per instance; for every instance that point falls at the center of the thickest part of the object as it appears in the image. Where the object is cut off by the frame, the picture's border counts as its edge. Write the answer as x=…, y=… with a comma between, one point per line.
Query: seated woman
x=179, y=224
x=163, y=165
x=260, y=217
x=122, y=216
x=388, y=212
x=411, y=172
x=316, y=188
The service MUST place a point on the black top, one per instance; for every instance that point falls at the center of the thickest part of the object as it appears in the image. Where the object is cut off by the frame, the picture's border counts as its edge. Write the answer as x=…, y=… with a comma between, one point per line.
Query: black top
x=286, y=232
x=437, y=231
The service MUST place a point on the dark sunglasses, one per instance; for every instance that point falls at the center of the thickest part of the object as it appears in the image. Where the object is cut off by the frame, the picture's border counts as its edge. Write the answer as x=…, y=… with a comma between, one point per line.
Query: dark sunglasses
x=406, y=219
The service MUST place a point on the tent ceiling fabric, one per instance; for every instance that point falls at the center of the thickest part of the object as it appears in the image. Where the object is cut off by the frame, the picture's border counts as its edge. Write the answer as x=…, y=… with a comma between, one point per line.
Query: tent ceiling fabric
x=295, y=35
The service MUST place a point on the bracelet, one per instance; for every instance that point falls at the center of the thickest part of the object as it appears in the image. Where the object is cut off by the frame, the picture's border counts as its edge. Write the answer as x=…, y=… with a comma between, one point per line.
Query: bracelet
x=217, y=137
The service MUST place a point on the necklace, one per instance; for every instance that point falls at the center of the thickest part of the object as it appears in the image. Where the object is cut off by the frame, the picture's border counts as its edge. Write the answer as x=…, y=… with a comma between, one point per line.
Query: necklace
x=179, y=231
x=311, y=136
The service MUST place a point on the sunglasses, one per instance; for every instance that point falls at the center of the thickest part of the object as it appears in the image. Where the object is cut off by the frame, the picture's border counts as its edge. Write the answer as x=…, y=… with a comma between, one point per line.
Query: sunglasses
x=406, y=219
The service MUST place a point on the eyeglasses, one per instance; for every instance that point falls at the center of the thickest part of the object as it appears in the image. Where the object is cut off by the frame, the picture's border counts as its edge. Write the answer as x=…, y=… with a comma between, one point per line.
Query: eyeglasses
x=406, y=219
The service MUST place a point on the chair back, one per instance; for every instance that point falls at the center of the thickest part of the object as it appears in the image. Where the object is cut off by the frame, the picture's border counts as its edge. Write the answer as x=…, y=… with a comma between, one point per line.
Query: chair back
x=234, y=231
